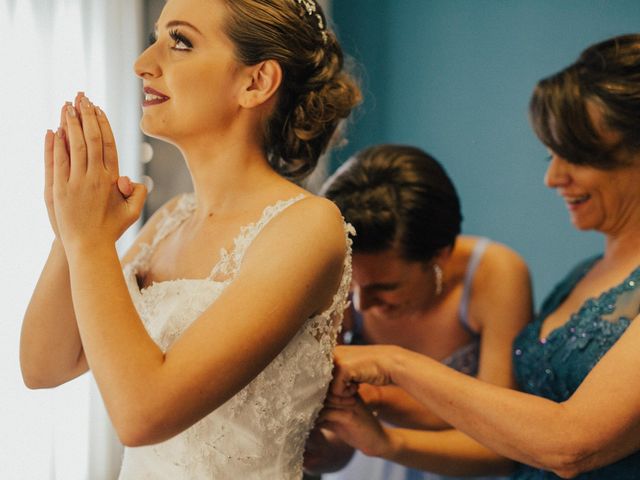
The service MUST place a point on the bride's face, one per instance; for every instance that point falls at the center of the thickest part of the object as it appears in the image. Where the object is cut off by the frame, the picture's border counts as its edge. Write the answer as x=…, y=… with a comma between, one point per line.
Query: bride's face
x=191, y=78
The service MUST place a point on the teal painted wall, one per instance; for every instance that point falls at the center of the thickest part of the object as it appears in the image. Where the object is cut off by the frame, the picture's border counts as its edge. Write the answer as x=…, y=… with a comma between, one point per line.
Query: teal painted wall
x=454, y=78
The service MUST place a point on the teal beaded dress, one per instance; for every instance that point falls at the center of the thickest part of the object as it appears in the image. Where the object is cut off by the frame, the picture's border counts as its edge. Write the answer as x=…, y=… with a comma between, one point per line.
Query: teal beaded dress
x=556, y=366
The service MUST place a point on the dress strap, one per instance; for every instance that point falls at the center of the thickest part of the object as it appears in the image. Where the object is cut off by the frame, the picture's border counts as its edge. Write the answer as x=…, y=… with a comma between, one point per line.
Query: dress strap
x=230, y=262
x=476, y=255
x=167, y=224
x=172, y=220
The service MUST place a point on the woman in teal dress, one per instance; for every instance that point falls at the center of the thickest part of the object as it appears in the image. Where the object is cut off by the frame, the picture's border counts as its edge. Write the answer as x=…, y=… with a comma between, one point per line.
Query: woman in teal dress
x=578, y=363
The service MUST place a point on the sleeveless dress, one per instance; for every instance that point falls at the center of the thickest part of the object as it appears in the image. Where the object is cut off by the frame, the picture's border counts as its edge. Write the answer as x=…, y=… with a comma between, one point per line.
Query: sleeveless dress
x=465, y=360
x=554, y=367
x=260, y=432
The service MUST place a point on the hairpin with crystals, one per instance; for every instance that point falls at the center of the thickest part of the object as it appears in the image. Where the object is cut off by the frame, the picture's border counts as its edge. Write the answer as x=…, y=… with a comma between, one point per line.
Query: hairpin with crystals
x=311, y=7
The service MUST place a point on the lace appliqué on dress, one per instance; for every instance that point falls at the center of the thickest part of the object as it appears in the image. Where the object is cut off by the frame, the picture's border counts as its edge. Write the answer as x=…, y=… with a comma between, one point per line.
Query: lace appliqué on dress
x=260, y=432
x=555, y=366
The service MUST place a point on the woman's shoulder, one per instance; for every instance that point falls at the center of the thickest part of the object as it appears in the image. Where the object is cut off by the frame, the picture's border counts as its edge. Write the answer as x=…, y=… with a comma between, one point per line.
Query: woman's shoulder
x=314, y=217
x=562, y=289
x=500, y=289
x=495, y=260
x=310, y=226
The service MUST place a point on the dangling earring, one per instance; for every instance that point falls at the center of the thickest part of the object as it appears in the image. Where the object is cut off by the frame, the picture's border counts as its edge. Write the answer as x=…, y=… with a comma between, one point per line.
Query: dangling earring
x=437, y=273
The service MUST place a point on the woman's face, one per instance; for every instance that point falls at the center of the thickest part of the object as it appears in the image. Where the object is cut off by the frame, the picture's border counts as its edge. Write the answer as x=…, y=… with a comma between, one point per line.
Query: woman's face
x=602, y=200
x=191, y=78
x=386, y=286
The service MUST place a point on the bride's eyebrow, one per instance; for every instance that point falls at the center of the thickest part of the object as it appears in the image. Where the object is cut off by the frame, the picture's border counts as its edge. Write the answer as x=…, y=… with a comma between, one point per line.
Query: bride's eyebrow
x=179, y=23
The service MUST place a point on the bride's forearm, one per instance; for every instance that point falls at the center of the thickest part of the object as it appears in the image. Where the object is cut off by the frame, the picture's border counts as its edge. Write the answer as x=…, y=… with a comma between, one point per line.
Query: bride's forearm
x=50, y=347
x=123, y=358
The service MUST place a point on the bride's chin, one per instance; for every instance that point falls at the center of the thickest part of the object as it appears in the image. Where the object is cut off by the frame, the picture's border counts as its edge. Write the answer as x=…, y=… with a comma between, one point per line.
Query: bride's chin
x=154, y=132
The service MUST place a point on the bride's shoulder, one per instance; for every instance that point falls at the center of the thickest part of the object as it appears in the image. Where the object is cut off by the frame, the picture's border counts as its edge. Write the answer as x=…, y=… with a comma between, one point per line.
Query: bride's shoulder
x=312, y=224
x=317, y=215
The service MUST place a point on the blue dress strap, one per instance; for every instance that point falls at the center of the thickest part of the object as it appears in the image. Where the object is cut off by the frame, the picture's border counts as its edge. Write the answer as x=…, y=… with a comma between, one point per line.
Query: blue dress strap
x=476, y=255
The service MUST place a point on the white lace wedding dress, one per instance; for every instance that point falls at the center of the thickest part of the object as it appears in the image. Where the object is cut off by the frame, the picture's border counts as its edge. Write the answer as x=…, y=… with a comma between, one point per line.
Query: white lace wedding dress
x=260, y=432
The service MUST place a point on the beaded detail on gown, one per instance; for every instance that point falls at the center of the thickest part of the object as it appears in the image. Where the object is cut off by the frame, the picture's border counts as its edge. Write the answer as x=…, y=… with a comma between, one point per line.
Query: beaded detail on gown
x=554, y=367
x=260, y=432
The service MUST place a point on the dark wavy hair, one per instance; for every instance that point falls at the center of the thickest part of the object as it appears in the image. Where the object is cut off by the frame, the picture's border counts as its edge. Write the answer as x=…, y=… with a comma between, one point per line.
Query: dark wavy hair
x=607, y=74
x=397, y=196
x=316, y=92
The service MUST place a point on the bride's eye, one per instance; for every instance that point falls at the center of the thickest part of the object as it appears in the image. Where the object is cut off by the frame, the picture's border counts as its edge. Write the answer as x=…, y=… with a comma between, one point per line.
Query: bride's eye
x=180, y=41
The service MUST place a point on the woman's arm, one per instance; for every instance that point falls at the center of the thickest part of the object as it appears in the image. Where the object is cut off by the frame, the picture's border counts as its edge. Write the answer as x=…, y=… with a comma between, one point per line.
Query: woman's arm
x=50, y=348
x=51, y=352
x=446, y=452
x=568, y=438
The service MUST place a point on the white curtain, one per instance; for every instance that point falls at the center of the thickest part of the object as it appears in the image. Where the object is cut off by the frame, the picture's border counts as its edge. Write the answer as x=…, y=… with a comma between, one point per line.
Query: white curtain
x=49, y=49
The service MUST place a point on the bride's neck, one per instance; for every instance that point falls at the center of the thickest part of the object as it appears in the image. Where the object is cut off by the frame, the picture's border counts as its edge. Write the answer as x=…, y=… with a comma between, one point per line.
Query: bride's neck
x=226, y=173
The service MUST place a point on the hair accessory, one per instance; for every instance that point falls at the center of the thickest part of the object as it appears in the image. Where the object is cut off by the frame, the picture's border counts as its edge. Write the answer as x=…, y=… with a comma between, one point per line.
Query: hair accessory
x=311, y=7
x=437, y=273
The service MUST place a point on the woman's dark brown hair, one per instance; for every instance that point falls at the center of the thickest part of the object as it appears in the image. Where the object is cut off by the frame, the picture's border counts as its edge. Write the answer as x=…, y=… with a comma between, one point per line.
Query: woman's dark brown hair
x=608, y=75
x=397, y=196
x=316, y=93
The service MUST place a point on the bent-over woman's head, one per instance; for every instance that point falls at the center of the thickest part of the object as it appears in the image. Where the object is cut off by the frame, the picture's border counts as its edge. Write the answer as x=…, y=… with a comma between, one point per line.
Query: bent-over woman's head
x=599, y=93
x=397, y=197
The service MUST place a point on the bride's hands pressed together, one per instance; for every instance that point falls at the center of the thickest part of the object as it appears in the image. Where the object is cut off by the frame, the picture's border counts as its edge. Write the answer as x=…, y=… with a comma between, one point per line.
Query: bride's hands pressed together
x=124, y=184
x=83, y=183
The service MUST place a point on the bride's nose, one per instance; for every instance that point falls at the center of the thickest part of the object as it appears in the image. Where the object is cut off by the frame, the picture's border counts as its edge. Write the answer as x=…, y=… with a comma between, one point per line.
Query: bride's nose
x=146, y=65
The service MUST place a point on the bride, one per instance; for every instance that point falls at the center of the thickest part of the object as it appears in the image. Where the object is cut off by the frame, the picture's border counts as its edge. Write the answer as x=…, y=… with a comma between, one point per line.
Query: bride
x=211, y=341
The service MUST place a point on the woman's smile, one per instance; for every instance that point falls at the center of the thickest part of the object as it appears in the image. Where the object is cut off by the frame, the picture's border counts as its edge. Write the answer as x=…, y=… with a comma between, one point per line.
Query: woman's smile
x=153, y=97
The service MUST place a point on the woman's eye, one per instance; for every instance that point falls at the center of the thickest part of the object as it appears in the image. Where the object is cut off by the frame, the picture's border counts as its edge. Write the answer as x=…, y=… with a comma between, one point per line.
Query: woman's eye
x=180, y=42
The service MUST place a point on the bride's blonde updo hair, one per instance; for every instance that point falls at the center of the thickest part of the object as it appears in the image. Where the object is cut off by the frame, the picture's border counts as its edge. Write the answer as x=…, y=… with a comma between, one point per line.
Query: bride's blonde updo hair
x=316, y=93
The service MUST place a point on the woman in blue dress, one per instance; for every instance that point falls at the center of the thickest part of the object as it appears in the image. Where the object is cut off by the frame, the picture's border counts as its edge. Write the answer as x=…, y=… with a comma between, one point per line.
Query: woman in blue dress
x=578, y=363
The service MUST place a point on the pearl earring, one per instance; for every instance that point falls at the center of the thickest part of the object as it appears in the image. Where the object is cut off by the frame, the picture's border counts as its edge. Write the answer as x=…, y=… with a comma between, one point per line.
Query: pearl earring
x=437, y=273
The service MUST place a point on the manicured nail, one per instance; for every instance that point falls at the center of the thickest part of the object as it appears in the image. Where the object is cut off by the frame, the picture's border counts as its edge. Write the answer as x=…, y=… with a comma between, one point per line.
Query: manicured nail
x=99, y=111
x=60, y=132
x=71, y=111
x=85, y=102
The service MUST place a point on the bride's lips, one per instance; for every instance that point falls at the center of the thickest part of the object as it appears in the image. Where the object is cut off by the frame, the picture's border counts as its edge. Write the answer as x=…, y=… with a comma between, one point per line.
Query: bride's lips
x=153, y=97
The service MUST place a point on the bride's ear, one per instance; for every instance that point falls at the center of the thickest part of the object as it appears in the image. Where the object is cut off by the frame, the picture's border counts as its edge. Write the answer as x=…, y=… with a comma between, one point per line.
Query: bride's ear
x=263, y=83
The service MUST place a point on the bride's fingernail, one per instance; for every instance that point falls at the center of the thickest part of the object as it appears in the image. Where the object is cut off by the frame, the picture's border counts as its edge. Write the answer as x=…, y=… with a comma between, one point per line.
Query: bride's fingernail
x=98, y=111
x=71, y=111
x=59, y=132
